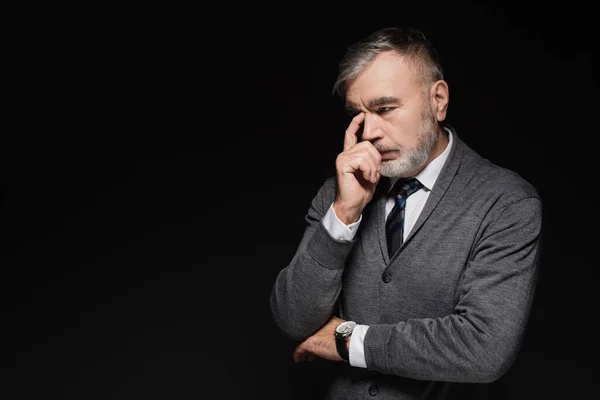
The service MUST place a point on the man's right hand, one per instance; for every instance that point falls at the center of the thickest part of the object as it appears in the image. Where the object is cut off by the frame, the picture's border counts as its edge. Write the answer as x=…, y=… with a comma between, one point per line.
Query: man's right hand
x=358, y=169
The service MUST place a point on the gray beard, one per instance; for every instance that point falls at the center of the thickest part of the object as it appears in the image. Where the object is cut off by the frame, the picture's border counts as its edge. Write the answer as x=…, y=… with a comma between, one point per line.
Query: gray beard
x=414, y=160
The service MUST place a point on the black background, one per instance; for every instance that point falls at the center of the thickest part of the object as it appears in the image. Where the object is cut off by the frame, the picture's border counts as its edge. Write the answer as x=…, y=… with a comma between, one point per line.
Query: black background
x=158, y=164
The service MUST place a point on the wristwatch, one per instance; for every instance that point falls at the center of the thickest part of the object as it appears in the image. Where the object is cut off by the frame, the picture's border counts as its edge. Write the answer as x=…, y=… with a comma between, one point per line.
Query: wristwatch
x=342, y=331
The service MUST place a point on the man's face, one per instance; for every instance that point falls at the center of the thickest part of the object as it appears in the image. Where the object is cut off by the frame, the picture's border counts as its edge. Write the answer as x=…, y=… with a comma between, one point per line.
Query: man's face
x=399, y=120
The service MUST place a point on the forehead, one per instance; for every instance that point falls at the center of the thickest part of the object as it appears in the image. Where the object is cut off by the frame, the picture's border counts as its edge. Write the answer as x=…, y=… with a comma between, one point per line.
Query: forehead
x=389, y=75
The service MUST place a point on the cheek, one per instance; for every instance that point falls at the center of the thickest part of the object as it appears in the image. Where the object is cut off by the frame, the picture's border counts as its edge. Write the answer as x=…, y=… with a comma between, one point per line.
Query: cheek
x=404, y=128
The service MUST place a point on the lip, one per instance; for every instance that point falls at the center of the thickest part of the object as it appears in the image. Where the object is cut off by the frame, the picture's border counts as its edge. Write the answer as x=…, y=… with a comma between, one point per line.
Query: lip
x=388, y=155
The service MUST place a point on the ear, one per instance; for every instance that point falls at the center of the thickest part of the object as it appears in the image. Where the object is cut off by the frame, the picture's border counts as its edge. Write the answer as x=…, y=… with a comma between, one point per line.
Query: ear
x=440, y=96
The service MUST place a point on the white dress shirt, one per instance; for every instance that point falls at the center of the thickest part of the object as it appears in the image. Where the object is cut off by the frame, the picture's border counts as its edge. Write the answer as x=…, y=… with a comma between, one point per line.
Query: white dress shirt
x=414, y=205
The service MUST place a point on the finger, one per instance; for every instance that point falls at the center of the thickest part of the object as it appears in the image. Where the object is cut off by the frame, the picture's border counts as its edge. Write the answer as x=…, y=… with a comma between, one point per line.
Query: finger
x=359, y=165
x=375, y=159
x=298, y=354
x=367, y=161
x=350, y=138
x=374, y=152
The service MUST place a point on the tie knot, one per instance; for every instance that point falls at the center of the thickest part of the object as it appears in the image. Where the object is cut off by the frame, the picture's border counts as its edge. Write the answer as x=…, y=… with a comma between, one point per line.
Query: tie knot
x=406, y=187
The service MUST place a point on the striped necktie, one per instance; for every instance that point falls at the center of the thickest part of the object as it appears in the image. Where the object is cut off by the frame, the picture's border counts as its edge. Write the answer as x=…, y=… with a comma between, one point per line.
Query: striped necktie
x=395, y=221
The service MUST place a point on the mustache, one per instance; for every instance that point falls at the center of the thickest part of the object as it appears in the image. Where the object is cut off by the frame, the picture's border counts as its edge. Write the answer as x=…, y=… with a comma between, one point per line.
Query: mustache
x=381, y=148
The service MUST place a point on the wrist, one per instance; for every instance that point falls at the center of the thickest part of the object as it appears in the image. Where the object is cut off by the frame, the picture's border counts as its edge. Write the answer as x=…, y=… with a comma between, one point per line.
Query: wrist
x=342, y=338
x=347, y=215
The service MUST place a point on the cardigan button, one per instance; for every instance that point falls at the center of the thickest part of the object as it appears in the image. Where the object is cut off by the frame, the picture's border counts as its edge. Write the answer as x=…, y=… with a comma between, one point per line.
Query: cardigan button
x=373, y=390
x=387, y=277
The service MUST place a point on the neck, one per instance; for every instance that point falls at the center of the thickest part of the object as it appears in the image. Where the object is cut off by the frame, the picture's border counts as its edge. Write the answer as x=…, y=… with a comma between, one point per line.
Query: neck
x=440, y=144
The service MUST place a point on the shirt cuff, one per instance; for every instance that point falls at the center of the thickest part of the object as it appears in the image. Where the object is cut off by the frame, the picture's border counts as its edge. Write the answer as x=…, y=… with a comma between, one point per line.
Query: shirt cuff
x=357, y=348
x=337, y=229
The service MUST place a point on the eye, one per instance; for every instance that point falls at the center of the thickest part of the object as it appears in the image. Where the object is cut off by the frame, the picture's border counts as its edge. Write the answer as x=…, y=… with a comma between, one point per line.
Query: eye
x=383, y=110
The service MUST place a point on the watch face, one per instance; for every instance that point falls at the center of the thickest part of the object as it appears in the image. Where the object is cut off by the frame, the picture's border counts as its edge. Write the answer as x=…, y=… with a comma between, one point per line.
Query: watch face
x=345, y=327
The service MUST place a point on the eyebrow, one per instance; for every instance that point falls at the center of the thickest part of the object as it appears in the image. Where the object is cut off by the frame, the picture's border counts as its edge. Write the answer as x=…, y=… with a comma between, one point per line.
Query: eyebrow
x=379, y=101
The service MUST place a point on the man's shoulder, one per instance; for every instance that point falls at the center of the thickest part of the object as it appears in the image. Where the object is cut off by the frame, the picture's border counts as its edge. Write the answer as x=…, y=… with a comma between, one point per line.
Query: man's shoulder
x=486, y=175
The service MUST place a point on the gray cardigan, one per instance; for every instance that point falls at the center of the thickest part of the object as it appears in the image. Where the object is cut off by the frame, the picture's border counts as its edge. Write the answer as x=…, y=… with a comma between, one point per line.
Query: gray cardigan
x=450, y=306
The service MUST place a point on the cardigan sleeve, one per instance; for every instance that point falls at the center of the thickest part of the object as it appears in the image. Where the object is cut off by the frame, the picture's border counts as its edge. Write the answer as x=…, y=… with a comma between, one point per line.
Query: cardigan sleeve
x=306, y=291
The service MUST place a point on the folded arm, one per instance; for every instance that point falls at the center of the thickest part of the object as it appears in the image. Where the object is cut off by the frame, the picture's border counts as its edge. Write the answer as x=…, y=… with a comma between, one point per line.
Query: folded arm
x=479, y=341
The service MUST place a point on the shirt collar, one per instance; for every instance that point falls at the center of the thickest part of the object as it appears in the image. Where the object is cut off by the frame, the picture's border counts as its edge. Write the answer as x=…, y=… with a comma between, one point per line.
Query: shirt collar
x=430, y=173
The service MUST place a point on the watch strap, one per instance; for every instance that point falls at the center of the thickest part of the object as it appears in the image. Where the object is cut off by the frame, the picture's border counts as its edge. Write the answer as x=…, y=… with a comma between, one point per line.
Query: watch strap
x=342, y=349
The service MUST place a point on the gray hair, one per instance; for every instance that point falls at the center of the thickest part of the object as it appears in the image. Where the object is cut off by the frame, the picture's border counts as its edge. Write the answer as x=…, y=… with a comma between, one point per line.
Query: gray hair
x=408, y=42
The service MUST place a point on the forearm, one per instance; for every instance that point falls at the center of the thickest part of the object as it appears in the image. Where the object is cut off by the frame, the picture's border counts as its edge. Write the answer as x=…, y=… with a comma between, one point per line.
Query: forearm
x=446, y=349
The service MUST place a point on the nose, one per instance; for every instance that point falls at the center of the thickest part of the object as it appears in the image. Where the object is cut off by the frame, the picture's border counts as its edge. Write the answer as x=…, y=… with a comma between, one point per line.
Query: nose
x=371, y=128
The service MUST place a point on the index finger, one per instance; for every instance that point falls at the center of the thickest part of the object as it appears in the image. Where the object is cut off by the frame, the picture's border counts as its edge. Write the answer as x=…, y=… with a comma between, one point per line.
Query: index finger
x=350, y=138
